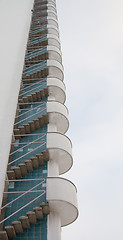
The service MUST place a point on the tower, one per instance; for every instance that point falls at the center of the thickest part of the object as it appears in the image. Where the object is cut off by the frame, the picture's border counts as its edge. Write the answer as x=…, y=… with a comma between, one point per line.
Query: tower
x=36, y=200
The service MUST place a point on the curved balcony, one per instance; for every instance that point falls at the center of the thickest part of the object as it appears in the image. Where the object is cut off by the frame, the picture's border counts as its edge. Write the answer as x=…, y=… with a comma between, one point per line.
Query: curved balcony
x=55, y=69
x=62, y=198
x=52, y=20
x=60, y=150
x=53, y=40
x=53, y=29
x=58, y=116
x=56, y=89
x=54, y=53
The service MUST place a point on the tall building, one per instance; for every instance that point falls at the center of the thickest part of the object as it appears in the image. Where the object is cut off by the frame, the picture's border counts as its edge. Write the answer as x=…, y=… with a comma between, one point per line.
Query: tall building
x=37, y=202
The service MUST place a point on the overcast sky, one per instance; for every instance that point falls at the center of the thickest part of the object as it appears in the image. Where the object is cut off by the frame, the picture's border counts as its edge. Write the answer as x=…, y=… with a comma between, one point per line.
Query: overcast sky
x=92, y=45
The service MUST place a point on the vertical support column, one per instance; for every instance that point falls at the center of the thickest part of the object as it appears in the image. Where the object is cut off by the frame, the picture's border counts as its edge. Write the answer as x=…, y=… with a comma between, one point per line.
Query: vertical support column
x=54, y=227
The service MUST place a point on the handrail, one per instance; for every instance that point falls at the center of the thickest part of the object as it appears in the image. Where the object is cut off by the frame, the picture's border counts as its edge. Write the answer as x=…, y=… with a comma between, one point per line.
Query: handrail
x=37, y=31
x=23, y=207
x=29, y=116
x=31, y=79
x=31, y=47
x=26, y=145
x=27, y=103
x=29, y=110
x=41, y=35
x=31, y=85
x=30, y=69
x=26, y=134
x=34, y=62
x=41, y=21
x=23, y=194
x=31, y=90
x=36, y=51
x=26, y=154
x=38, y=25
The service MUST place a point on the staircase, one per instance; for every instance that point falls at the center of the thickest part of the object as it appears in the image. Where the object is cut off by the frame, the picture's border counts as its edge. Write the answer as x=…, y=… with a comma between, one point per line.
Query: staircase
x=28, y=165
x=24, y=222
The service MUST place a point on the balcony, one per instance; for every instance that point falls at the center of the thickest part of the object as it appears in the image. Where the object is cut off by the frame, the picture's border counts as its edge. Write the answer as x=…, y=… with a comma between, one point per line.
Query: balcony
x=55, y=69
x=58, y=116
x=56, y=89
x=60, y=150
x=62, y=197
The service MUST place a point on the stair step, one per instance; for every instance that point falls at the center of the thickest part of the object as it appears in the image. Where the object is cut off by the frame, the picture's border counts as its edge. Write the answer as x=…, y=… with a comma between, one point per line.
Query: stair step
x=45, y=208
x=22, y=130
x=42, y=92
x=35, y=162
x=40, y=158
x=38, y=211
x=25, y=99
x=37, y=123
x=46, y=118
x=30, y=98
x=10, y=231
x=17, y=226
x=17, y=132
x=24, y=221
x=46, y=92
x=23, y=168
x=34, y=97
x=38, y=95
x=32, y=125
x=11, y=175
x=17, y=172
x=3, y=235
x=32, y=217
x=27, y=128
x=41, y=120
x=29, y=165
x=45, y=155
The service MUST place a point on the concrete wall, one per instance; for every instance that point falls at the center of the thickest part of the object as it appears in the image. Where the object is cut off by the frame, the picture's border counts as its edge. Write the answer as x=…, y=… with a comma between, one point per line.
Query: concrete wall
x=15, y=16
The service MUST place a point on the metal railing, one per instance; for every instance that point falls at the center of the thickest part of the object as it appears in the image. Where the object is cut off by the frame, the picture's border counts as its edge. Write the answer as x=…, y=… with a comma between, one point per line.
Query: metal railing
x=26, y=192
x=24, y=155
x=25, y=146
x=30, y=115
x=33, y=89
x=32, y=79
x=33, y=84
x=23, y=120
x=35, y=68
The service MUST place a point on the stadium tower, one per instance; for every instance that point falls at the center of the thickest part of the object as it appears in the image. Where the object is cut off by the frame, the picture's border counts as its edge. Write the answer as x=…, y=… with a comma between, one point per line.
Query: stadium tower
x=37, y=202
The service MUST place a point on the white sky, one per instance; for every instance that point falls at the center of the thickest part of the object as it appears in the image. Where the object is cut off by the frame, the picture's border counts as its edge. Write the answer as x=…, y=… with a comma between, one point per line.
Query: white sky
x=92, y=45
